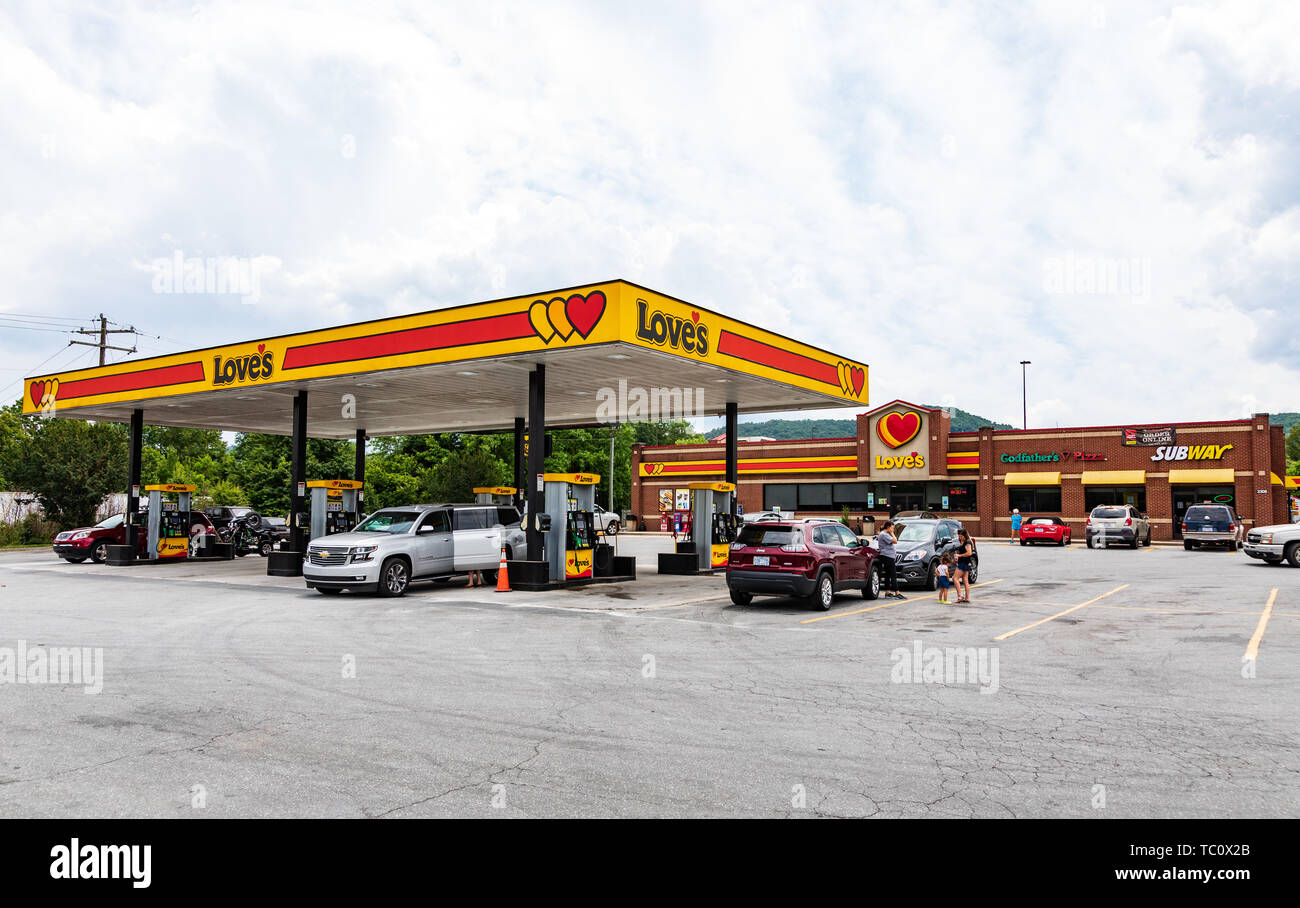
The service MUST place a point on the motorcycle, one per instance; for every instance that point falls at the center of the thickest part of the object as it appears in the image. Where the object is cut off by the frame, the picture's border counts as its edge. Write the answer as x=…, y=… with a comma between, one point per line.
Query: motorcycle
x=247, y=533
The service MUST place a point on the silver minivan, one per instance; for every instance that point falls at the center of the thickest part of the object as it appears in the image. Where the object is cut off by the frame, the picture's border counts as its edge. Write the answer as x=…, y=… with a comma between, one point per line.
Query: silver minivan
x=395, y=546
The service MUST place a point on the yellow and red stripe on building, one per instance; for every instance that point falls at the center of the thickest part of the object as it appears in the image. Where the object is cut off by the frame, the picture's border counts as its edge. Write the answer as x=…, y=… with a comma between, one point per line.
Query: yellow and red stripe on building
x=847, y=463
x=963, y=460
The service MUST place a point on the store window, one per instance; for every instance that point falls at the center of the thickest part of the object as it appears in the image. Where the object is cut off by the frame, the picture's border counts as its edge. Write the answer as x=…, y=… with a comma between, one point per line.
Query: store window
x=1035, y=499
x=961, y=496
x=1096, y=496
x=815, y=496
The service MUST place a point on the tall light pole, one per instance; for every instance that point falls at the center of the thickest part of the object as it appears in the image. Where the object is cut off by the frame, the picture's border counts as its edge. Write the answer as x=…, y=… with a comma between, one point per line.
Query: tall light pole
x=1024, y=393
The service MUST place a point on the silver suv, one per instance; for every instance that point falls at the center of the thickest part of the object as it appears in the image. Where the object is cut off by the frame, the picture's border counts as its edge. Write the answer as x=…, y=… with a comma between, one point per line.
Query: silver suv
x=394, y=546
x=1117, y=524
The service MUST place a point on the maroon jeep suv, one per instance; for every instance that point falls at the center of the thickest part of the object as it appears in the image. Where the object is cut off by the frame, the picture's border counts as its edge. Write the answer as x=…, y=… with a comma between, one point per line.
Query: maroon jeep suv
x=812, y=559
x=93, y=542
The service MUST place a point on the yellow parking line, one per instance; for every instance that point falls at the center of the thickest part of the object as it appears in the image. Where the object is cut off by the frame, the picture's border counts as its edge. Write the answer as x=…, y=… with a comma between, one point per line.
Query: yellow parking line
x=1252, y=648
x=1073, y=608
x=872, y=608
x=1191, y=611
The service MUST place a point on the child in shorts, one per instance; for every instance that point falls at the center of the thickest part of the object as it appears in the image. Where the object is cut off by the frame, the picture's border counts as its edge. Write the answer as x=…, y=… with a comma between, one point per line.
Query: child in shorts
x=944, y=572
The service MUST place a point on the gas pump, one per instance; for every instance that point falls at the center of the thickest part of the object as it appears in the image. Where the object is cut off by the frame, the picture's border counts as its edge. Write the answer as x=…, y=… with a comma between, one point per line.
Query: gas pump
x=169, y=521
x=571, y=540
x=712, y=530
x=333, y=506
x=499, y=495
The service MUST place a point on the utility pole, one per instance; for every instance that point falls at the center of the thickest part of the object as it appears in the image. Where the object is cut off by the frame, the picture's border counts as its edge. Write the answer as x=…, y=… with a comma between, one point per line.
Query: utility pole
x=104, y=331
x=1024, y=393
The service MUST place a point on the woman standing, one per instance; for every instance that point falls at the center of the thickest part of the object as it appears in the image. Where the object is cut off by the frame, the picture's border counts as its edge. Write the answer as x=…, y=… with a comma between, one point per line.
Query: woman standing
x=965, y=552
x=885, y=540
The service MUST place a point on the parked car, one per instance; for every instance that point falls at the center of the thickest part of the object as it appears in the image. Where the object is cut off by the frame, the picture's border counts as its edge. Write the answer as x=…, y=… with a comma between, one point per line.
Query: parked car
x=915, y=515
x=277, y=525
x=221, y=516
x=1275, y=544
x=606, y=521
x=93, y=542
x=765, y=516
x=395, y=546
x=249, y=533
x=1044, y=529
x=1117, y=523
x=920, y=545
x=812, y=559
x=1211, y=524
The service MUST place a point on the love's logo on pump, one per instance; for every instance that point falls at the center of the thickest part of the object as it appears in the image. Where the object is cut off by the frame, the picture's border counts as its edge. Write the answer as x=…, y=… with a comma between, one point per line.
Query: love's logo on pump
x=852, y=378
x=562, y=318
x=653, y=469
x=249, y=367
x=897, y=429
x=44, y=392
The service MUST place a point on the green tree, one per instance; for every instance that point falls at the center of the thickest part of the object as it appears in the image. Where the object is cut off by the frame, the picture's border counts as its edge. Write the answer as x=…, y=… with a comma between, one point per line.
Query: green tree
x=11, y=435
x=457, y=475
x=1293, y=447
x=69, y=466
x=392, y=479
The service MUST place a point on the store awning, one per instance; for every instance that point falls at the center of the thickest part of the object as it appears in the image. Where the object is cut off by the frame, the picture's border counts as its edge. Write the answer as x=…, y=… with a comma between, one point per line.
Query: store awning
x=1033, y=479
x=1293, y=482
x=1202, y=477
x=1114, y=477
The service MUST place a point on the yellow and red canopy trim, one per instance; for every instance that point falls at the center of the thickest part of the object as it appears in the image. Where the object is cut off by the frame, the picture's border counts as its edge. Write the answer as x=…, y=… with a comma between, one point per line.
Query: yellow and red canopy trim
x=835, y=464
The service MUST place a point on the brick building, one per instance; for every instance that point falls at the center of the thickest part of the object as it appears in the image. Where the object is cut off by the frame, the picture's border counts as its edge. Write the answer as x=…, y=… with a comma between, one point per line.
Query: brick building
x=905, y=457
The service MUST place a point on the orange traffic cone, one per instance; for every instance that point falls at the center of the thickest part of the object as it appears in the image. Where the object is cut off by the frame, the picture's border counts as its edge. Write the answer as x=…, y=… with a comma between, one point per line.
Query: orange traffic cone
x=503, y=581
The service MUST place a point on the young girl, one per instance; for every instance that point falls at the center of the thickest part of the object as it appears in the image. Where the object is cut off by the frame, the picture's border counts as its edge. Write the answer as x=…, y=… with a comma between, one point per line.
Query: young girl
x=944, y=571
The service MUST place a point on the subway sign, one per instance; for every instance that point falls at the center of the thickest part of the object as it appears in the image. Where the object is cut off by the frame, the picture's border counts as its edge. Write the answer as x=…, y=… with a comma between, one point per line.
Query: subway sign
x=1191, y=452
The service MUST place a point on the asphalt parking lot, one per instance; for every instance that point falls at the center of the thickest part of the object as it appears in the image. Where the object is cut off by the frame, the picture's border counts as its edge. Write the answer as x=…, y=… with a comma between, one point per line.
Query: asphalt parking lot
x=1155, y=682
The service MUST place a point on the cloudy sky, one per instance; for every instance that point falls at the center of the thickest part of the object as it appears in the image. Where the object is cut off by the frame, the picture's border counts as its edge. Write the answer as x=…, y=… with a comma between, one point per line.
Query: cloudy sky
x=1111, y=190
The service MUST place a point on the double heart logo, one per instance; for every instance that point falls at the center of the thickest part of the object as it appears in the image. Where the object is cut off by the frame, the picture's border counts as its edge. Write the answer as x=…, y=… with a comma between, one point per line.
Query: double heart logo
x=563, y=318
x=44, y=392
x=852, y=378
x=653, y=469
x=897, y=429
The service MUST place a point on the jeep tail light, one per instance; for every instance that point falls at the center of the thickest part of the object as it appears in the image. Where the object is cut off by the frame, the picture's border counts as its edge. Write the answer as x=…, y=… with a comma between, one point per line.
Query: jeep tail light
x=1128, y=521
x=794, y=547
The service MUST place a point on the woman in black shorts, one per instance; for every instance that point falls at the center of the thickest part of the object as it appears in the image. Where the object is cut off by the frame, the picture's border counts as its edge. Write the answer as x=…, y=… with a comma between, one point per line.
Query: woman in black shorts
x=965, y=550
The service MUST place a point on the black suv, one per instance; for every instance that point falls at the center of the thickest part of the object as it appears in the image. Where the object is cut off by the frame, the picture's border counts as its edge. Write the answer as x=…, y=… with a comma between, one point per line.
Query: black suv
x=920, y=545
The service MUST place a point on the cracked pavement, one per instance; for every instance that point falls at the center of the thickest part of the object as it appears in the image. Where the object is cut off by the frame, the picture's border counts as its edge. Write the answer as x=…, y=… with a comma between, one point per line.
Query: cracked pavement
x=619, y=701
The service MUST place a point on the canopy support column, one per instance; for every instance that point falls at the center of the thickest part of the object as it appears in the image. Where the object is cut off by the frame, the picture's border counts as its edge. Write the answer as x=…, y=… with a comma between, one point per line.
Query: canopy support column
x=536, y=459
x=135, y=446
x=521, y=490
x=298, y=471
x=733, y=452
x=359, y=463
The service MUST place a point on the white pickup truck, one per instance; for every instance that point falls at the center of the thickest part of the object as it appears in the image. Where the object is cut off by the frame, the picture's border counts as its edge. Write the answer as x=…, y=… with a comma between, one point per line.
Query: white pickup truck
x=1275, y=544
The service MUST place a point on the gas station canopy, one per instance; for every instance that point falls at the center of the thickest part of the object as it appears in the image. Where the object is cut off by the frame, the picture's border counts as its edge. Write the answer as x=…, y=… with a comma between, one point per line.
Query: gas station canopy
x=612, y=351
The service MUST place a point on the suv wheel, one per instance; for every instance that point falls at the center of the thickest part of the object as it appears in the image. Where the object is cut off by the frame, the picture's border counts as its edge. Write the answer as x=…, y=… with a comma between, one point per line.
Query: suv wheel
x=973, y=575
x=394, y=577
x=823, y=596
x=99, y=552
x=872, y=589
x=266, y=547
x=1293, y=554
x=612, y=528
x=1187, y=546
x=741, y=598
x=932, y=577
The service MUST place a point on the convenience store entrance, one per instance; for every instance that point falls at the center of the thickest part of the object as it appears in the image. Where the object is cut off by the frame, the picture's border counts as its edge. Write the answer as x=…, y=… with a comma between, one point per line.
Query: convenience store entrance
x=1186, y=496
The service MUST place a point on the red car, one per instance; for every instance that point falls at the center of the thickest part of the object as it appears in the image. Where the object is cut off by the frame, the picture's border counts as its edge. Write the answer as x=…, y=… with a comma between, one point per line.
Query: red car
x=93, y=542
x=811, y=559
x=1045, y=529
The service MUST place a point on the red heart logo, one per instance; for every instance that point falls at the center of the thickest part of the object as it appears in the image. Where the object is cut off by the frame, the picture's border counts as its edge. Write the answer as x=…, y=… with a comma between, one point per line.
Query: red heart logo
x=859, y=376
x=261, y=348
x=897, y=429
x=38, y=392
x=695, y=317
x=584, y=312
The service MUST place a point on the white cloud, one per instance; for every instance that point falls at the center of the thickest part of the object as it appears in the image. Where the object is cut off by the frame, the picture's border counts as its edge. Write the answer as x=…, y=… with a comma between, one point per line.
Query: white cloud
x=885, y=181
